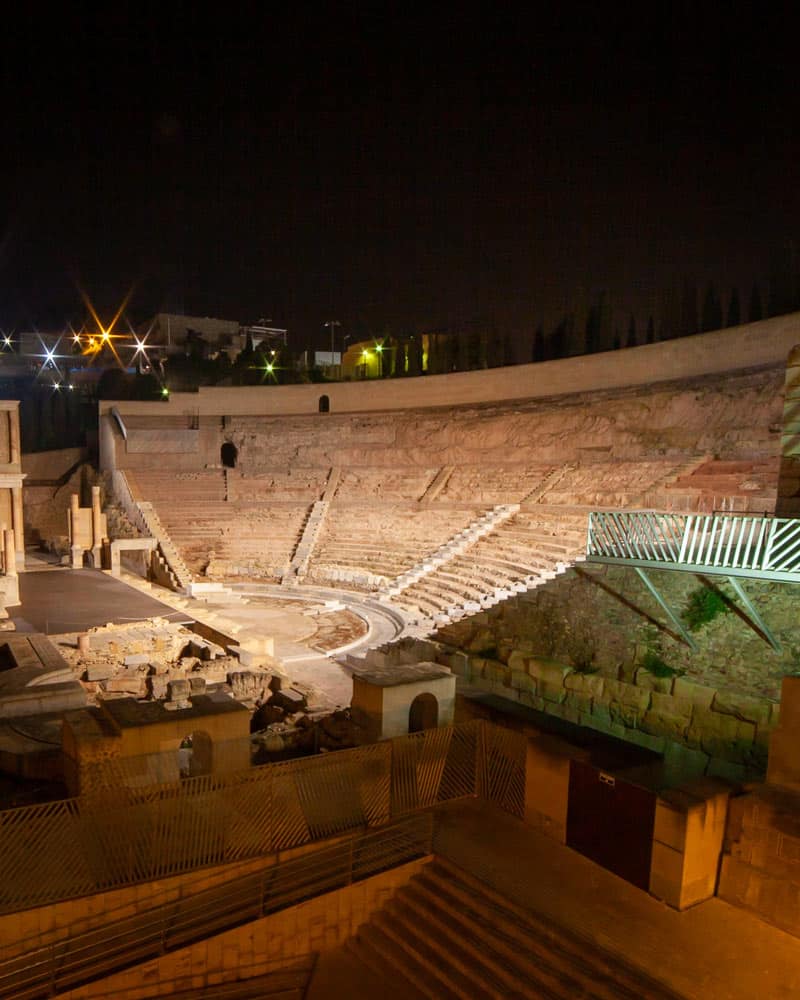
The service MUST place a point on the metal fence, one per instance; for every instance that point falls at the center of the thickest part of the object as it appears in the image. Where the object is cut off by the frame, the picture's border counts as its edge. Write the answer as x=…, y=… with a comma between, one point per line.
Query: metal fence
x=116, y=837
x=67, y=963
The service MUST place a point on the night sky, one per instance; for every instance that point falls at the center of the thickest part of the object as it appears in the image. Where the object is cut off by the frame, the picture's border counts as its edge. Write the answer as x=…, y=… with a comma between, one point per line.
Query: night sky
x=389, y=171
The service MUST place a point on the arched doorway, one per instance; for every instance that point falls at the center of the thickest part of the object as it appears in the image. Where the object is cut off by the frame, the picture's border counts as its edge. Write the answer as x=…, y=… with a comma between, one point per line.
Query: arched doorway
x=423, y=713
x=195, y=755
x=324, y=404
x=228, y=454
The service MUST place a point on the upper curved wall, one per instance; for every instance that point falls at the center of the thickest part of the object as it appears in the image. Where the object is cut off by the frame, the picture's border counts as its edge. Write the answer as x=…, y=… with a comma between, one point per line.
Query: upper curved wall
x=751, y=346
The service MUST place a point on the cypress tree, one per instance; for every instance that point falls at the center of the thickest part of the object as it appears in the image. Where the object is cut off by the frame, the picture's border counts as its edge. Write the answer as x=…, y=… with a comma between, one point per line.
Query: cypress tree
x=756, y=311
x=734, y=309
x=712, y=310
x=631, y=341
x=538, y=344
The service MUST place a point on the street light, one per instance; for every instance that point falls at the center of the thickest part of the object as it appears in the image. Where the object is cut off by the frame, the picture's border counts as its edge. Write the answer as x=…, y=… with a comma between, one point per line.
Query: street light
x=332, y=323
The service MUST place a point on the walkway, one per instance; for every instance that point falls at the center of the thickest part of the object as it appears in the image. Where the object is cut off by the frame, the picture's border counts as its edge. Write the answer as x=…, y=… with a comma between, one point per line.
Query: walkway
x=713, y=951
x=55, y=601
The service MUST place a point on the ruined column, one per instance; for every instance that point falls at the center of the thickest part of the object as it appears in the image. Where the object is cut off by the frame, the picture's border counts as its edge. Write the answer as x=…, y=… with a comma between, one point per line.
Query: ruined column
x=9, y=552
x=13, y=434
x=17, y=523
x=97, y=528
x=75, y=550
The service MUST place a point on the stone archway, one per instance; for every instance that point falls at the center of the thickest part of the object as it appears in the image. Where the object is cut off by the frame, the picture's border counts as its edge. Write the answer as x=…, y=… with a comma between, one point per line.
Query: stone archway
x=423, y=713
x=228, y=454
x=324, y=404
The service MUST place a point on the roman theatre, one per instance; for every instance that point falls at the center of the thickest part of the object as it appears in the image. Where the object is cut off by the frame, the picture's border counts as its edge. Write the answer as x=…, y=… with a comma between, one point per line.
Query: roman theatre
x=556, y=601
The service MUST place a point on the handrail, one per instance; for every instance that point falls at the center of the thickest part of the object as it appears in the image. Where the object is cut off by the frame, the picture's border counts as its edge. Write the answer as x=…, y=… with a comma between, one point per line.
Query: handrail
x=746, y=545
x=68, y=963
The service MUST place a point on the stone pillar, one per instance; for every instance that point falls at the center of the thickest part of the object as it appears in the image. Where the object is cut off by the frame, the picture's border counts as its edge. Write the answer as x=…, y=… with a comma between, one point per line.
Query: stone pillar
x=9, y=552
x=17, y=522
x=13, y=433
x=75, y=551
x=97, y=528
x=3, y=529
x=783, y=767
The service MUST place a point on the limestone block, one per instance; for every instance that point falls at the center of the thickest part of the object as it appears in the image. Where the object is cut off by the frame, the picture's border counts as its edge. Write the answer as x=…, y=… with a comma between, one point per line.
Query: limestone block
x=578, y=702
x=669, y=705
x=547, y=784
x=98, y=671
x=745, y=707
x=720, y=735
x=687, y=842
x=590, y=685
x=643, y=678
x=522, y=681
x=550, y=677
x=178, y=690
x=518, y=661
x=672, y=727
x=698, y=694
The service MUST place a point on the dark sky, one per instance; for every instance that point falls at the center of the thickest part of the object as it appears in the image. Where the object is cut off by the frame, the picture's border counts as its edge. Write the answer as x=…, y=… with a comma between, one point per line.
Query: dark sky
x=391, y=171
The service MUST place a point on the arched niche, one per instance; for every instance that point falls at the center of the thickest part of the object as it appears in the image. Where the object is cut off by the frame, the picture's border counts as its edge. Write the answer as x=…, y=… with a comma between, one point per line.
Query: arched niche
x=423, y=713
x=228, y=454
x=324, y=404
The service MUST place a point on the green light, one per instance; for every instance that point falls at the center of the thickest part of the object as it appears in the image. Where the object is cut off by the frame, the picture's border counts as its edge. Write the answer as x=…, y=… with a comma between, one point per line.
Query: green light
x=379, y=348
x=269, y=368
x=165, y=391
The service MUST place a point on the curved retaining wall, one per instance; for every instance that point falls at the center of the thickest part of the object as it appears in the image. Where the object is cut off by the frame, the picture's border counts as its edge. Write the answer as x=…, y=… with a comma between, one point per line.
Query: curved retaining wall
x=751, y=346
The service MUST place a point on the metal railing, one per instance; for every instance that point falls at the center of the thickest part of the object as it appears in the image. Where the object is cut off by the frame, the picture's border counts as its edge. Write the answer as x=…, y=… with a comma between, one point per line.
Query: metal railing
x=122, y=835
x=730, y=544
x=65, y=964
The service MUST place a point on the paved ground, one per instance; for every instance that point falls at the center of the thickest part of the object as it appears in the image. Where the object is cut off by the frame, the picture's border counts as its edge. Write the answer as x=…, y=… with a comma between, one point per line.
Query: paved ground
x=55, y=601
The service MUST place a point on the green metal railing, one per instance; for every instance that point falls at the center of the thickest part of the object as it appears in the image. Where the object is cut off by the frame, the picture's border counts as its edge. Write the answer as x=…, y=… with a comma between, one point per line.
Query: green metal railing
x=729, y=544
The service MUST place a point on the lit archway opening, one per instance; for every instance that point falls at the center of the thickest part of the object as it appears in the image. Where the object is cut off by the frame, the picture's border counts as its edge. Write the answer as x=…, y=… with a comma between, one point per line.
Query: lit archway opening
x=423, y=713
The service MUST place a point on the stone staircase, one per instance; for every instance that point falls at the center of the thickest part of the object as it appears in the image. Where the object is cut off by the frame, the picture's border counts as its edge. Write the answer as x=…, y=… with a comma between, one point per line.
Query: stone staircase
x=455, y=546
x=439, y=482
x=745, y=486
x=298, y=567
x=447, y=934
x=168, y=558
x=520, y=551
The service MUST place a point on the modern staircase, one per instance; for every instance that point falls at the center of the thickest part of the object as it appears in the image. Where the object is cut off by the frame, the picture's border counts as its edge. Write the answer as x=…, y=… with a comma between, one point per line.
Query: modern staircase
x=450, y=935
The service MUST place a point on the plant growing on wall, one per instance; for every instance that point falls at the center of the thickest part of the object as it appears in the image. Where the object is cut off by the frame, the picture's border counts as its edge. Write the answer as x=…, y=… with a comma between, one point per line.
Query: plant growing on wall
x=704, y=605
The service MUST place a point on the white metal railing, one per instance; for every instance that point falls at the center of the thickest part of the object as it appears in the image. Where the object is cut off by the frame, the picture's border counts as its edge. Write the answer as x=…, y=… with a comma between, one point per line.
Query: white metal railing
x=732, y=544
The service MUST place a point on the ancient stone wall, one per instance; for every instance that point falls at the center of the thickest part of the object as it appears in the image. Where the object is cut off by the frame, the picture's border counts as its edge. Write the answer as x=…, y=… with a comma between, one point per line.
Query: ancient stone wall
x=579, y=650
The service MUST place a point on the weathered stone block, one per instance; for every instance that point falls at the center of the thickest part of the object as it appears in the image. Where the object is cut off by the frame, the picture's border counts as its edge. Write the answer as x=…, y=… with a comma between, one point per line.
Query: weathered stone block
x=627, y=694
x=666, y=704
x=673, y=727
x=698, y=694
x=578, y=702
x=518, y=661
x=743, y=706
x=720, y=735
x=550, y=678
x=522, y=681
x=178, y=690
x=590, y=685
x=645, y=679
